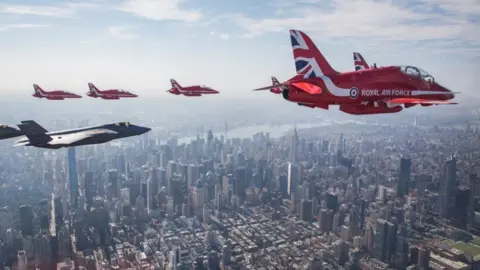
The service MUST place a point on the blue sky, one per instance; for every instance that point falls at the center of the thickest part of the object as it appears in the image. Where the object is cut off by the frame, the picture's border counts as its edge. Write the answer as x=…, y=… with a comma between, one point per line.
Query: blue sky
x=232, y=45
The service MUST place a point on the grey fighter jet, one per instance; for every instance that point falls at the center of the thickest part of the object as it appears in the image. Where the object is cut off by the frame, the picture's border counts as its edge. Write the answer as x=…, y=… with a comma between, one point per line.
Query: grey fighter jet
x=36, y=135
x=7, y=132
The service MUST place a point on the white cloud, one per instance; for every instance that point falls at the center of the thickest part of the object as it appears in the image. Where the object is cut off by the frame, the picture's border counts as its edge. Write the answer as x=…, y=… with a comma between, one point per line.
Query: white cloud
x=160, y=10
x=224, y=36
x=67, y=10
x=457, y=7
x=89, y=41
x=123, y=32
x=374, y=19
x=22, y=26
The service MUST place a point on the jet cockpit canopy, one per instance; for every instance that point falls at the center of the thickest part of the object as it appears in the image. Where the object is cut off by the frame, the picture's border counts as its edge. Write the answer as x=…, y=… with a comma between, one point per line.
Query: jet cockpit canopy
x=417, y=72
x=206, y=87
x=124, y=124
x=3, y=126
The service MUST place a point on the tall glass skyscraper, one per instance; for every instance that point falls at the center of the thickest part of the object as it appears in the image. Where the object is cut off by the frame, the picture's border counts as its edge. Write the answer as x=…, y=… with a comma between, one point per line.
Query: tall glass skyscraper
x=73, y=177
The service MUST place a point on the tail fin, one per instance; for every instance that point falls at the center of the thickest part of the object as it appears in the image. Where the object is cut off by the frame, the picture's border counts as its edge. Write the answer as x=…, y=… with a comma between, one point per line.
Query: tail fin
x=359, y=62
x=175, y=84
x=34, y=132
x=275, y=81
x=34, y=126
x=276, y=90
x=38, y=89
x=93, y=88
x=309, y=61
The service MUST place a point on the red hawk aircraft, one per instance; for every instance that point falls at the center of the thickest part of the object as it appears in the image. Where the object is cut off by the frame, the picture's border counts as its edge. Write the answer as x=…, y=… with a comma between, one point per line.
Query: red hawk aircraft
x=190, y=91
x=53, y=95
x=370, y=91
x=108, y=94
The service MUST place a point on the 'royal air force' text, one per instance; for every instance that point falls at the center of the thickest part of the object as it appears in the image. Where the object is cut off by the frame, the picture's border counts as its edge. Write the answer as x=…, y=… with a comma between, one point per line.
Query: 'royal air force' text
x=384, y=92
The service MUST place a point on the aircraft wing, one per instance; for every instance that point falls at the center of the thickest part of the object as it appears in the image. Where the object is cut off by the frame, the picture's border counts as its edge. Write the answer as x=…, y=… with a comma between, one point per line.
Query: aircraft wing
x=420, y=101
x=268, y=87
x=67, y=139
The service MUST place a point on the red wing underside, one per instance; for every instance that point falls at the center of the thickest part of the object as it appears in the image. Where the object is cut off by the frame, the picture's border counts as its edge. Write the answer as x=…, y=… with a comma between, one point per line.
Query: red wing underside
x=308, y=87
x=420, y=101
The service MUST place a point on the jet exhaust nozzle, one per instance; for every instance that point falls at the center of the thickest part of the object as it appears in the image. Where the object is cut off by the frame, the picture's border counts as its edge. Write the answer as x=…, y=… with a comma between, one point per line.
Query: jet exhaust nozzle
x=285, y=92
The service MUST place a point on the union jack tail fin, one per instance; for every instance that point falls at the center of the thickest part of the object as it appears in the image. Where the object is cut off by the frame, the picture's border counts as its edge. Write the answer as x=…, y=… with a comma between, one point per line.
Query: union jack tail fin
x=275, y=81
x=92, y=88
x=37, y=89
x=309, y=61
x=175, y=84
x=359, y=62
x=276, y=90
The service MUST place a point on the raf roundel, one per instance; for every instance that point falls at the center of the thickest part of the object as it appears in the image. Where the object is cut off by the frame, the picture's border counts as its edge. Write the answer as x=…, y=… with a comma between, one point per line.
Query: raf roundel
x=354, y=93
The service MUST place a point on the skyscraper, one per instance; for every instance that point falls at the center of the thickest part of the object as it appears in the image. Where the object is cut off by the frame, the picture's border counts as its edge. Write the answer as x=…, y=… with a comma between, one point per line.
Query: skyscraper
x=73, y=177
x=90, y=188
x=292, y=175
x=380, y=239
x=447, y=189
x=404, y=178
x=26, y=220
x=294, y=149
x=472, y=182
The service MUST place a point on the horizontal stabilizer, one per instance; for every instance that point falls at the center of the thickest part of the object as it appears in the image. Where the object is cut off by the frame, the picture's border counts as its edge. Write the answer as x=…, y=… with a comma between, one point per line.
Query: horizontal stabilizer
x=268, y=87
x=308, y=87
x=22, y=143
x=420, y=101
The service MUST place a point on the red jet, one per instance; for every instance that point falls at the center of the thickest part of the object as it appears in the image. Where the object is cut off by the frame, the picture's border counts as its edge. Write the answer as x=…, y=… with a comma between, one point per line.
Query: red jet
x=370, y=91
x=53, y=95
x=190, y=91
x=108, y=94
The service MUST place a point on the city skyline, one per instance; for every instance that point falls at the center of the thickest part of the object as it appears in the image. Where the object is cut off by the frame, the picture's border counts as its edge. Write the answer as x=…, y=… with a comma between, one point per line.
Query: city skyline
x=345, y=197
x=139, y=45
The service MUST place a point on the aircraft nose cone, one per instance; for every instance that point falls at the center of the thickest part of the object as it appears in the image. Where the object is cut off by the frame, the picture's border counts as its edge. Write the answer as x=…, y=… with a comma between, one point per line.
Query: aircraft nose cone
x=144, y=130
x=450, y=94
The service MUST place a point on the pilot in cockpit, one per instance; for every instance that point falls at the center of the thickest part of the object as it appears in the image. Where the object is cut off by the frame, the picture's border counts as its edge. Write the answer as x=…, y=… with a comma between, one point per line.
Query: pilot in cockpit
x=416, y=72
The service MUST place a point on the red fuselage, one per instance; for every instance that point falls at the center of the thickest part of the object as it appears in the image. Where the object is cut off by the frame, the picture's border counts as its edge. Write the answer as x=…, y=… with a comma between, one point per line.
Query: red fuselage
x=55, y=95
x=111, y=94
x=365, y=87
x=192, y=91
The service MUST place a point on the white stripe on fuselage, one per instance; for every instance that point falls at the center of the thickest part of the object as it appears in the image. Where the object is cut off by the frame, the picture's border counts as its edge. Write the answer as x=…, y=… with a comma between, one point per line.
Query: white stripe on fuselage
x=46, y=95
x=38, y=91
